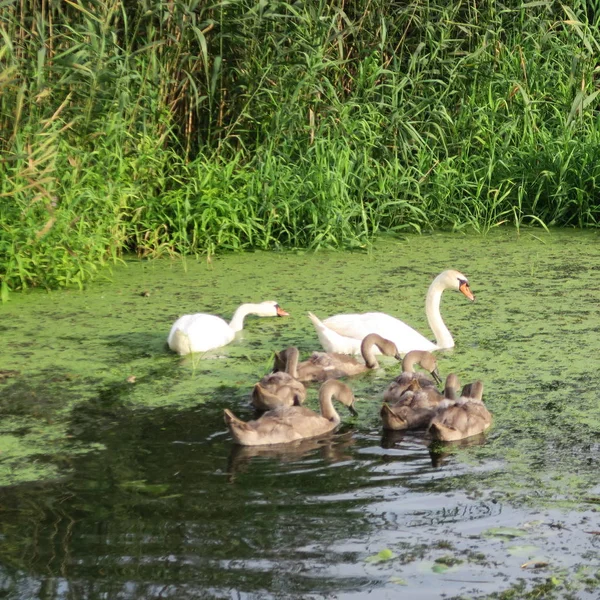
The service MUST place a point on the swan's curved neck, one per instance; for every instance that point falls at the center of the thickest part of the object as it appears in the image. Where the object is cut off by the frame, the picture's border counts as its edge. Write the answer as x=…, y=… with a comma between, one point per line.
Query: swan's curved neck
x=237, y=322
x=443, y=337
x=367, y=349
x=291, y=363
x=410, y=360
x=326, y=393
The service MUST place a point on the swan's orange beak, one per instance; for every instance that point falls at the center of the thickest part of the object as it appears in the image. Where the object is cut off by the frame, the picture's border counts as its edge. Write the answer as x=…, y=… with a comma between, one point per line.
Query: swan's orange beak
x=281, y=312
x=466, y=290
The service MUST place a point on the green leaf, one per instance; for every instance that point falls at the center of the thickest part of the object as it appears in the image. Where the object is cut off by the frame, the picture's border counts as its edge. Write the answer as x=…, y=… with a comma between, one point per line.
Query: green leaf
x=382, y=556
x=440, y=568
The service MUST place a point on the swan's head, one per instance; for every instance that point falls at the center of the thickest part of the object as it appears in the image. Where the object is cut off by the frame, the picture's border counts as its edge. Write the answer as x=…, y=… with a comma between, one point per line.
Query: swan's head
x=429, y=363
x=421, y=357
x=473, y=391
x=270, y=308
x=455, y=280
x=451, y=386
x=342, y=392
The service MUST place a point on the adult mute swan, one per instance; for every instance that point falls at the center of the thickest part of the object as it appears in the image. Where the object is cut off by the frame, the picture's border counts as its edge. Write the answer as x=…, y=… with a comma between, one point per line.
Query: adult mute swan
x=290, y=423
x=201, y=332
x=344, y=333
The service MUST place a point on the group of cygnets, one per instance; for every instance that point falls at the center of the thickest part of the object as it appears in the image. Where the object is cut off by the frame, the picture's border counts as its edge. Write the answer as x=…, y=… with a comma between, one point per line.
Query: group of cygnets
x=410, y=401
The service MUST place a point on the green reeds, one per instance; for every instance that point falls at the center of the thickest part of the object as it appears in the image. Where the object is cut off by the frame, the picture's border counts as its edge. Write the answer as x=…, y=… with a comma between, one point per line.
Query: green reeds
x=186, y=127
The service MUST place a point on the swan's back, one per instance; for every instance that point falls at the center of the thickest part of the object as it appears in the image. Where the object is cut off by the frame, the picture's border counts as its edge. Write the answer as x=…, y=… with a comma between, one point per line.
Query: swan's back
x=396, y=388
x=322, y=366
x=277, y=389
x=465, y=417
x=401, y=417
x=278, y=426
x=198, y=333
x=459, y=421
x=413, y=409
x=358, y=326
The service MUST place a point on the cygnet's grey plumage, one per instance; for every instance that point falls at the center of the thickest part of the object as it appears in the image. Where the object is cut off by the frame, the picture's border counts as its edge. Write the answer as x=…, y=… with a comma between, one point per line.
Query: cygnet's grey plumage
x=462, y=418
x=331, y=365
x=288, y=424
x=398, y=386
x=416, y=407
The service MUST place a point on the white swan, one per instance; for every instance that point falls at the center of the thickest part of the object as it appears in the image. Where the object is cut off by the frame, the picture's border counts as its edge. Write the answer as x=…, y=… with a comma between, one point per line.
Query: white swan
x=201, y=332
x=344, y=333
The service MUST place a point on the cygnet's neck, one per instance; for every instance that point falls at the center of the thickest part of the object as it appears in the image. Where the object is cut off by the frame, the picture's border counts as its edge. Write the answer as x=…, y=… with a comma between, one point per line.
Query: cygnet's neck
x=291, y=366
x=331, y=388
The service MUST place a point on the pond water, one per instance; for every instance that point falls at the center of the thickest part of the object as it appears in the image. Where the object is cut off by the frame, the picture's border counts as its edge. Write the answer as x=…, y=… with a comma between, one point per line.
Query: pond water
x=119, y=478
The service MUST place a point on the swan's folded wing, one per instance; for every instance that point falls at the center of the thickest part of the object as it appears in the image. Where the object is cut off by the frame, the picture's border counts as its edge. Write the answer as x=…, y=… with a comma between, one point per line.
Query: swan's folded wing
x=358, y=326
x=294, y=423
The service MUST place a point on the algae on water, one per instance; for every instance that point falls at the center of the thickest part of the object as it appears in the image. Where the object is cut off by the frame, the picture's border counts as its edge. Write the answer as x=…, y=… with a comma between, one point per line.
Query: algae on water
x=529, y=337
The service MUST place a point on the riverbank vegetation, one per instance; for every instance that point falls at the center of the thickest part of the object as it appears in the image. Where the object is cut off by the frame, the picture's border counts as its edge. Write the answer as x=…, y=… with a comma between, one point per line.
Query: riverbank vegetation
x=188, y=127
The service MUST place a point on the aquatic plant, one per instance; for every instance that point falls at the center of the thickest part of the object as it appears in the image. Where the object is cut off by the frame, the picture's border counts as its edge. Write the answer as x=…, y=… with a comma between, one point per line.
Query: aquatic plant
x=186, y=127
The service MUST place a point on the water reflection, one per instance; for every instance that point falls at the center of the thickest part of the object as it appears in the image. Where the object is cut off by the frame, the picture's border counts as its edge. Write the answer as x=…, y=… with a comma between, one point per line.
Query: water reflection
x=324, y=451
x=171, y=508
x=440, y=452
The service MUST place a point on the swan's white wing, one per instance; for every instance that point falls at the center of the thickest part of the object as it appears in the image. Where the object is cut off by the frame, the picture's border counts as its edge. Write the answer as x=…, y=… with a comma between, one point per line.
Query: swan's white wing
x=358, y=326
x=333, y=341
x=203, y=332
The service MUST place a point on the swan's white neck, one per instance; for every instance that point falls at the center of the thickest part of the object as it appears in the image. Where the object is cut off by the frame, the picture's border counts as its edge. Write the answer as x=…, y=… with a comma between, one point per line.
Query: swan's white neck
x=443, y=337
x=237, y=322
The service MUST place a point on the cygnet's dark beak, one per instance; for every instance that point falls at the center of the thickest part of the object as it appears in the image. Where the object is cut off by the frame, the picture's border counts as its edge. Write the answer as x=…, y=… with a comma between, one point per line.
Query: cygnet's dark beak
x=352, y=411
x=436, y=375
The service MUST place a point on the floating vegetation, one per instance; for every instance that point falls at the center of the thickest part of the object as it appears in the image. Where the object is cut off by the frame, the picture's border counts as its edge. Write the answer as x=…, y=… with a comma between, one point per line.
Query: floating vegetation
x=127, y=459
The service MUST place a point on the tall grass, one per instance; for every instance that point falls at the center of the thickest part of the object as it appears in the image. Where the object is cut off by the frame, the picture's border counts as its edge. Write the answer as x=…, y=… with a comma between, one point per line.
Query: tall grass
x=180, y=126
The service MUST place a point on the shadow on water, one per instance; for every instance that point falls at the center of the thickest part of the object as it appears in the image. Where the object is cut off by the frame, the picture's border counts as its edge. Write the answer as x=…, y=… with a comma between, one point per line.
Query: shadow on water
x=158, y=505
x=171, y=508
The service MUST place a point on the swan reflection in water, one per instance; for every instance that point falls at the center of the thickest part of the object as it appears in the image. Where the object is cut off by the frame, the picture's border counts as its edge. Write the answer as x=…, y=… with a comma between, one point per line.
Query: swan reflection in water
x=439, y=452
x=330, y=448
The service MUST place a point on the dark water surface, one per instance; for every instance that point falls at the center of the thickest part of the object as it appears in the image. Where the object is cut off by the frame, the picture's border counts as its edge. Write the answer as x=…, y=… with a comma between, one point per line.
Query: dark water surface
x=120, y=479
